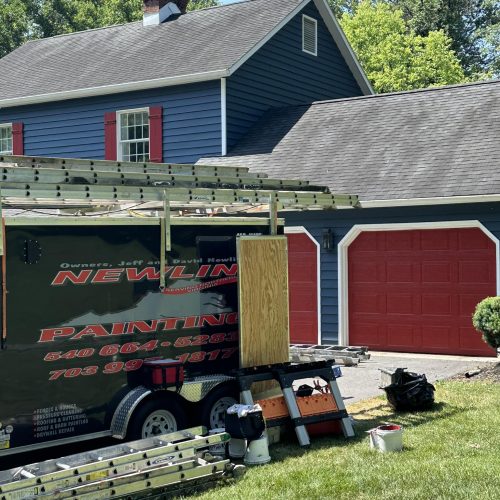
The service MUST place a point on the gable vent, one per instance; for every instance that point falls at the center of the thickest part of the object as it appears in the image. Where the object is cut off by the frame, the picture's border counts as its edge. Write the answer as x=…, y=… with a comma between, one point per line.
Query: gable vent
x=310, y=35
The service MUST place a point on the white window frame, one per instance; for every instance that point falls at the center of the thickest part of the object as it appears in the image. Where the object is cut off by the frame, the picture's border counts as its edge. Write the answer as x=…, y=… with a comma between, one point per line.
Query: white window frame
x=6, y=125
x=304, y=17
x=119, y=142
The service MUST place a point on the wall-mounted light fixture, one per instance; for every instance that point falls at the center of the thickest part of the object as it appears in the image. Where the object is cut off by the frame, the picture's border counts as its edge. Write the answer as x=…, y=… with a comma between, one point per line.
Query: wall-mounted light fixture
x=328, y=240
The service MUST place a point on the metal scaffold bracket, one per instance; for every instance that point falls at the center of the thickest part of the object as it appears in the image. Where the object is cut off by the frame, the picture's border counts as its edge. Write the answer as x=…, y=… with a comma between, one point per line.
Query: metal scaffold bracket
x=165, y=237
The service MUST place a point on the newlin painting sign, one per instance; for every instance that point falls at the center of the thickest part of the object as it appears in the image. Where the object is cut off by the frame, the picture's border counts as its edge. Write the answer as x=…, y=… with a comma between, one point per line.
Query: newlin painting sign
x=83, y=309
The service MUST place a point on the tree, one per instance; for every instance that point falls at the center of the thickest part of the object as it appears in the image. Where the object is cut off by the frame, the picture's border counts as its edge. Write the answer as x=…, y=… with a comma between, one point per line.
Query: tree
x=394, y=57
x=469, y=23
x=472, y=25
x=14, y=25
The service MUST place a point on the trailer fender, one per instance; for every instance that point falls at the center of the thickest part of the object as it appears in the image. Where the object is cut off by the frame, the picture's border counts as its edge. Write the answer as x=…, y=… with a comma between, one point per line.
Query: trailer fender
x=124, y=410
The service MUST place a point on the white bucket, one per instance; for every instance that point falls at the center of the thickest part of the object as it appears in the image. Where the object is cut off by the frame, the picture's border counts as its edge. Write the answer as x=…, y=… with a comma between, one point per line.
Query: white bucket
x=237, y=448
x=220, y=448
x=257, y=452
x=387, y=437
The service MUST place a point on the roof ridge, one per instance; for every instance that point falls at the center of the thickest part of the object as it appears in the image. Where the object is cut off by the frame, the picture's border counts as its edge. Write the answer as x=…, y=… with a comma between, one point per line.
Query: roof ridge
x=82, y=31
x=405, y=92
x=133, y=22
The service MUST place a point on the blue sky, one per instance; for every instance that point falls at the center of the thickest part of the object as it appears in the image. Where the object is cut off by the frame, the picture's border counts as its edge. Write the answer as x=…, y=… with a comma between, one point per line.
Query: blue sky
x=230, y=1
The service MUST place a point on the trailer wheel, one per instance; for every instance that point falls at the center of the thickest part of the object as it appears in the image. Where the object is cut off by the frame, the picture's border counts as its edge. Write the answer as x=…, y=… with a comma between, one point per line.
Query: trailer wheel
x=215, y=404
x=155, y=417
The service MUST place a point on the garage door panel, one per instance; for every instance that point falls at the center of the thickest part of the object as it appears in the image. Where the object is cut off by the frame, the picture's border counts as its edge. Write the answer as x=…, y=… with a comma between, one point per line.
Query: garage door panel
x=399, y=303
x=400, y=336
x=474, y=272
x=436, y=272
x=420, y=298
x=436, y=304
x=365, y=272
x=467, y=240
x=436, y=240
x=367, y=333
x=398, y=240
x=436, y=337
x=303, y=289
x=399, y=272
x=474, y=343
x=364, y=303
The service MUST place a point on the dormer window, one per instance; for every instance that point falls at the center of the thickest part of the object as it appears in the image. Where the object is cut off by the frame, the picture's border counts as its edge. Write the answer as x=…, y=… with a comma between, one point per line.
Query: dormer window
x=6, y=138
x=309, y=35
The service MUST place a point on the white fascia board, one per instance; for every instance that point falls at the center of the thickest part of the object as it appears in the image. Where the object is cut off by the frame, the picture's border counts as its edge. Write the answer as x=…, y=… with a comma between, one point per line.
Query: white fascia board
x=268, y=37
x=344, y=46
x=114, y=89
x=415, y=202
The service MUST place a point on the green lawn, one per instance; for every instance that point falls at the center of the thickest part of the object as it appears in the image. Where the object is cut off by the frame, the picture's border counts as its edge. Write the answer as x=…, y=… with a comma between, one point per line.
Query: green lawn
x=452, y=452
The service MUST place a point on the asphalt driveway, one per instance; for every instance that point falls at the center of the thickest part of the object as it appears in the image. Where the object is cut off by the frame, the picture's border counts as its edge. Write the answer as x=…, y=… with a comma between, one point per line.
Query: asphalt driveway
x=362, y=381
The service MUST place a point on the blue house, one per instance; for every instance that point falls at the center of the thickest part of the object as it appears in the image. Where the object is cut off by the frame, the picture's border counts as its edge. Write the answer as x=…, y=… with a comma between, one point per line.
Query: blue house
x=405, y=270
x=175, y=86
x=274, y=85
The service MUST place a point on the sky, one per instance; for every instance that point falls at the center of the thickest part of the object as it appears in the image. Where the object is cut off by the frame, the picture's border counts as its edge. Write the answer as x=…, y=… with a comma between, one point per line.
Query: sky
x=229, y=1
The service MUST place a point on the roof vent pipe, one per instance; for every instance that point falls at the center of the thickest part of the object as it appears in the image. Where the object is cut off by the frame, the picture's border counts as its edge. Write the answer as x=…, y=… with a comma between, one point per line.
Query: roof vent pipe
x=159, y=11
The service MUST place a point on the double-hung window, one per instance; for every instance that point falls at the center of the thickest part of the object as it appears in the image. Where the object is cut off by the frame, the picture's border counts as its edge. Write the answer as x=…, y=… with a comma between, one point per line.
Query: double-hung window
x=6, y=138
x=133, y=135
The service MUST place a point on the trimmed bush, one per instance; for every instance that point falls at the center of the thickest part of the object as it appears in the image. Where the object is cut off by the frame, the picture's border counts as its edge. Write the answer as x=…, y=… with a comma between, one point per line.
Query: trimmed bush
x=486, y=319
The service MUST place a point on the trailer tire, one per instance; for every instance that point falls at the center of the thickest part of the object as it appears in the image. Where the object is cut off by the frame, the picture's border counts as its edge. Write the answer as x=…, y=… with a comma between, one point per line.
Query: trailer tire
x=156, y=416
x=215, y=404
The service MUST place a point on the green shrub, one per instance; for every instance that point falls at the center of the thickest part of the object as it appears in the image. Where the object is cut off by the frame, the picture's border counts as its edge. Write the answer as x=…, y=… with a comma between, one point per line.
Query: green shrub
x=486, y=319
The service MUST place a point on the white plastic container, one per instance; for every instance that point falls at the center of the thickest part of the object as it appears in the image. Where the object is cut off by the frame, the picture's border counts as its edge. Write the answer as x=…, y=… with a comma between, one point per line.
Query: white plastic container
x=237, y=448
x=257, y=452
x=387, y=437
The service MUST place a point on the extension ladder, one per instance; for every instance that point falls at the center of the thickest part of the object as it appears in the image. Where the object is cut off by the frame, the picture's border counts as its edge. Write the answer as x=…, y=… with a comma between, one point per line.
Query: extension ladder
x=123, y=470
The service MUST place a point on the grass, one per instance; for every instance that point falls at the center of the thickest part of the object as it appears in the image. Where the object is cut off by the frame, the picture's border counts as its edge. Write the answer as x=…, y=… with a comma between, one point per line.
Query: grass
x=451, y=452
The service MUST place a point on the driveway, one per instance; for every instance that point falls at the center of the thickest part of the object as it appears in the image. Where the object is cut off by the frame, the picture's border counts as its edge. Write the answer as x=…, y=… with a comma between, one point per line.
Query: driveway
x=362, y=381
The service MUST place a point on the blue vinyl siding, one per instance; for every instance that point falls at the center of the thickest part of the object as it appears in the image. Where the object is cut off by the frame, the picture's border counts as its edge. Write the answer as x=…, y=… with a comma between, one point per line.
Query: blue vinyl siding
x=75, y=128
x=341, y=221
x=281, y=74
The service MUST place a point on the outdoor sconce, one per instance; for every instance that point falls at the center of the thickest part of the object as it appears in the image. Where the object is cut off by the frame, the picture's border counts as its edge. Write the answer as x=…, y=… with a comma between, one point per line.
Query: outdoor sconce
x=328, y=240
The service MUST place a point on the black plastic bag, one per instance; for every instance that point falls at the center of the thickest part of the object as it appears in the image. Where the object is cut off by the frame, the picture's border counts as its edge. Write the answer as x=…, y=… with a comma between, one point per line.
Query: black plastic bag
x=411, y=391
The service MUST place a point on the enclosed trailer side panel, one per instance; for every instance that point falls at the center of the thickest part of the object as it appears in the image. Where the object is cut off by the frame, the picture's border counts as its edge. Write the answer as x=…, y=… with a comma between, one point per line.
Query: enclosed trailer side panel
x=84, y=309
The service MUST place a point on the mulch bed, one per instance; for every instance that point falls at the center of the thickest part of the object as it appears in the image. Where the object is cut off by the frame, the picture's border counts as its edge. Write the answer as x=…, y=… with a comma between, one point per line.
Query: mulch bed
x=490, y=373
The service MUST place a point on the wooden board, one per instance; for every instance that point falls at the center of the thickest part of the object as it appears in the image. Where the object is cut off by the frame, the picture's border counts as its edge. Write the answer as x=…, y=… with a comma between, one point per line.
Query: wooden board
x=263, y=300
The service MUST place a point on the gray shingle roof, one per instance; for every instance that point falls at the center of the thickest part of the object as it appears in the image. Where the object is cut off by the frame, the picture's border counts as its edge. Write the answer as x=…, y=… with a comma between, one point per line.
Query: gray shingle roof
x=200, y=41
x=422, y=144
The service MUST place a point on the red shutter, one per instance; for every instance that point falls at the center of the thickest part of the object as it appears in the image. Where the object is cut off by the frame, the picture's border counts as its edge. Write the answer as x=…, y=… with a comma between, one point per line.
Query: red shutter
x=156, y=134
x=110, y=136
x=17, y=139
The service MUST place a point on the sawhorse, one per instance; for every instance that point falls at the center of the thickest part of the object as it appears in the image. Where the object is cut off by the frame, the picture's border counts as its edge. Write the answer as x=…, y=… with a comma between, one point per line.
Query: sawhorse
x=286, y=374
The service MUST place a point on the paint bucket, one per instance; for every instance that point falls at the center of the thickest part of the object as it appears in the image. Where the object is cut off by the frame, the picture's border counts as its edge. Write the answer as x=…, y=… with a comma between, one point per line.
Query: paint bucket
x=387, y=437
x=219, y=448
x=257, y=452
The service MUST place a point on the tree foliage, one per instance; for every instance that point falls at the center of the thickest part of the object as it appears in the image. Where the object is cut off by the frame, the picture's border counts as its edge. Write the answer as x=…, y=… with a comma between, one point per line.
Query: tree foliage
x=396, y=58
x=472, y=25
x=21, y=20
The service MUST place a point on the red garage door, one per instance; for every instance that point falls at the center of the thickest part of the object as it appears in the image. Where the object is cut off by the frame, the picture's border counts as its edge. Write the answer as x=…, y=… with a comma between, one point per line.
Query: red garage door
x=415, y=291
x=303, y=286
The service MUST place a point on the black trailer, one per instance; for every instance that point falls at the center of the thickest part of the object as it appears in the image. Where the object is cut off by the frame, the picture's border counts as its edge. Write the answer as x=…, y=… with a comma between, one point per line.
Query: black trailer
x=86, y=314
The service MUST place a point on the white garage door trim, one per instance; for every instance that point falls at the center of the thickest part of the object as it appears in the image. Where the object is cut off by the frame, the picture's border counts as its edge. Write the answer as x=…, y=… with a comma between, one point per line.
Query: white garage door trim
x=302, y=229
x=355, y=231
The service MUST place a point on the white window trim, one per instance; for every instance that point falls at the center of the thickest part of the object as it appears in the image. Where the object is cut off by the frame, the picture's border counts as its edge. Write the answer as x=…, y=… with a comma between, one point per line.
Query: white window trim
x=304, y=17
x=303, y=230
x=5, y=125
x=119, y=141
x=355, y=231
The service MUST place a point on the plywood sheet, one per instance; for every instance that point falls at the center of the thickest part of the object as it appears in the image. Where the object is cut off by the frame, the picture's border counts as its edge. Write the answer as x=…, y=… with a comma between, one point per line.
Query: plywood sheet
x=263, y=300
